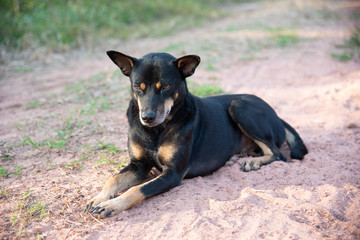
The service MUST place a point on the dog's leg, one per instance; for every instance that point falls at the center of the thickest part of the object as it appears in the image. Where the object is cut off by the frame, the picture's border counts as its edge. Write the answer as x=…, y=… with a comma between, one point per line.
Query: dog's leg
x=243, y=154
x=259, y=123
x=270, y=154
x=136, y=194
x=128, y=177
x=171, y=157
x=248, y=149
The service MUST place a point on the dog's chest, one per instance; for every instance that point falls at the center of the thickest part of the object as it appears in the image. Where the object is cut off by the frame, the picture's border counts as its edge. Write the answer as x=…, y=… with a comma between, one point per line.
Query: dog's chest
x=155, y=156
x=152, y=148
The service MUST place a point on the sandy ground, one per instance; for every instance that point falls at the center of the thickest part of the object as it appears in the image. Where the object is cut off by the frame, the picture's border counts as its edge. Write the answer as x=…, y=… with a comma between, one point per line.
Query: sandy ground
x=317, y=198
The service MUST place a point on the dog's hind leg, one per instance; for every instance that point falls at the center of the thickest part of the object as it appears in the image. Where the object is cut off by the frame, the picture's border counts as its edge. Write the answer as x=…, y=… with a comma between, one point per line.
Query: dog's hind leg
x=248, y=149
x=259, y=122
x=271, y=154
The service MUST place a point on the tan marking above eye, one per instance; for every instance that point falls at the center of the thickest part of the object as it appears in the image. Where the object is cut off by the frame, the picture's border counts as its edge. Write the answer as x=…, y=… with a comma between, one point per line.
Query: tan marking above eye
x=142, y=86
x=158, y=85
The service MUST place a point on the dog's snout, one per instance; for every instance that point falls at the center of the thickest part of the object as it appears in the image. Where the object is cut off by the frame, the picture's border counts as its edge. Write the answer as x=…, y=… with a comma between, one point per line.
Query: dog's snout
x=148, y=117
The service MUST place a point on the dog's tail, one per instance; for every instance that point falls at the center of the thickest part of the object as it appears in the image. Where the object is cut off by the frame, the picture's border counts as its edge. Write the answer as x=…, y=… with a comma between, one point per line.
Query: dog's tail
x=297, y=147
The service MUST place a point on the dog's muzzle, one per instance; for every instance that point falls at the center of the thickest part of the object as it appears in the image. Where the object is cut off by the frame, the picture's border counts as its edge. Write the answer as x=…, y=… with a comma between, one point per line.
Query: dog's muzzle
x=151, y=118
x=148, y=117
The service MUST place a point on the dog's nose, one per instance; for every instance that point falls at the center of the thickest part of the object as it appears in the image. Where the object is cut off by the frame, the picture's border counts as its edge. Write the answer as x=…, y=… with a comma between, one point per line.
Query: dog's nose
x=148, y=117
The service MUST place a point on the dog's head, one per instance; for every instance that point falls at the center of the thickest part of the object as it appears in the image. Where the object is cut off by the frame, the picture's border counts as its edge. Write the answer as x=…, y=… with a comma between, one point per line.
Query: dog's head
x=157, y=82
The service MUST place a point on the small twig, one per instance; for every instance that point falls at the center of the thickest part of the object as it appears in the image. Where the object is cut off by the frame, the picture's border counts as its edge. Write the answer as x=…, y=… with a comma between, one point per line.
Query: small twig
x=97, y=219
x=115, y=170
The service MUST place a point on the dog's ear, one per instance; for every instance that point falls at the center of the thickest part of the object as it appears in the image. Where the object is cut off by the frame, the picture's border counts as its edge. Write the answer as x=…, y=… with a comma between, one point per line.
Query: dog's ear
x=187, y=64
x=124, y=62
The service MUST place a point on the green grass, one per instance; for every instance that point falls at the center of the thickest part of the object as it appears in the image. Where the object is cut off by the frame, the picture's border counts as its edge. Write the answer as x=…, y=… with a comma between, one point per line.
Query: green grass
x=33, y=104
x=99, y=93
x=349, y=49
x=174, y=47
x=56, y=142
x=27, y=212
x=3, y=193
x=110, y=148
x=18, y=171
x=27, y=140
x=3, y=172
x=343, y=57
x=87, y=99
x=59, y=141
x=23, y=69
x=281, y=37
x=285, y=40
x=105, y=154
x=284, y=37
x=210, y=67
x=74, y=165
x=27, y=194
x=60, y=25
x=204, y=90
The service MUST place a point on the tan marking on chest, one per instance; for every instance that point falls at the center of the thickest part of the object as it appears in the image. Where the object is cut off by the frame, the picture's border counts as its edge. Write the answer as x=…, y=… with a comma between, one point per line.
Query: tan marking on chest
x=136, y=150
x=166, y=152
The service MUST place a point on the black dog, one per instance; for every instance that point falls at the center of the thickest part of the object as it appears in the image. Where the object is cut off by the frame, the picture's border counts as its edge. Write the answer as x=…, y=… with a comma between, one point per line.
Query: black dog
x=185, y=136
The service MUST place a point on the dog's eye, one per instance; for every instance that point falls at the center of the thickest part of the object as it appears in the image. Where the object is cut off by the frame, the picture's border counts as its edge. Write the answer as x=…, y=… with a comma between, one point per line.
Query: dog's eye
x=166, y=86
x=141, y=86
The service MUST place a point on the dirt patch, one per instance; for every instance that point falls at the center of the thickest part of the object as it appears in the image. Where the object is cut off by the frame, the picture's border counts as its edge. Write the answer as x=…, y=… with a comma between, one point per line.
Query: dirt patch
x=63, y=134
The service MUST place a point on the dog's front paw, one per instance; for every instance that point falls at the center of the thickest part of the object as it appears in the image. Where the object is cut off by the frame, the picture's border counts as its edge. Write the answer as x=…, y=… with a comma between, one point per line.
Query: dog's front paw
x=107, y=209
x=101, y=197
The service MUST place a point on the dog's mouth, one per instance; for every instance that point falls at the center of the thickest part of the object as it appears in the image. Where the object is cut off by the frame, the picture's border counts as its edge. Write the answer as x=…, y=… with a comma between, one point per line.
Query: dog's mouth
x=162, y=114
